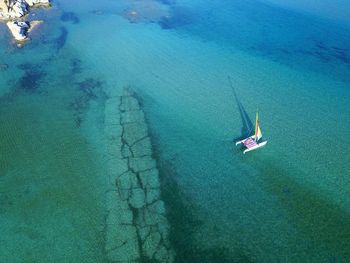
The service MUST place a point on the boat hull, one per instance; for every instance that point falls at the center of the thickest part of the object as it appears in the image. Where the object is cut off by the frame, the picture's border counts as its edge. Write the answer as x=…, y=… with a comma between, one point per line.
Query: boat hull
x=241, y=141
x=259, y=145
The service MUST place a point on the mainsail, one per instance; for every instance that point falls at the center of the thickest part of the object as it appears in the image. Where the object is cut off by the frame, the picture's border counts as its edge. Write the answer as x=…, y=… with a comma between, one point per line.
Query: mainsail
x=252, y=142
x=258, y=133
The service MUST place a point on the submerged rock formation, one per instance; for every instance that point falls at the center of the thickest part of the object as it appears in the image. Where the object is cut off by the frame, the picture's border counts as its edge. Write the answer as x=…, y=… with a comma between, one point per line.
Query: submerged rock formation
x=137, y=228
x=13, y=10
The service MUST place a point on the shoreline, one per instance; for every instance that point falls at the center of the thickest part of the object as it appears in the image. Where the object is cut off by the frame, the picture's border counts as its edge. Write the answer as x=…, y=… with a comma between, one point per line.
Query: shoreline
x=15, y=16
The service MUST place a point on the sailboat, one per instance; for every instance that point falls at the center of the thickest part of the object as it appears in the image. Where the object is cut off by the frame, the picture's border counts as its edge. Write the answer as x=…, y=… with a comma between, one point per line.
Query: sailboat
x=252, y=143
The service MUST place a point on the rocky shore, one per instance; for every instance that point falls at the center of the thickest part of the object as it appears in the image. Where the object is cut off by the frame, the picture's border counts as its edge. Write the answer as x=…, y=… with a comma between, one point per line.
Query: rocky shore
x=136, y=226
x=13, y=11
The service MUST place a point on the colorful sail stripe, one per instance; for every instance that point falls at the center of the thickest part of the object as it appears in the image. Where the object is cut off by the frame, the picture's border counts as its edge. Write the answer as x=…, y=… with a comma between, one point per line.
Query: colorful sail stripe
x=258, y=134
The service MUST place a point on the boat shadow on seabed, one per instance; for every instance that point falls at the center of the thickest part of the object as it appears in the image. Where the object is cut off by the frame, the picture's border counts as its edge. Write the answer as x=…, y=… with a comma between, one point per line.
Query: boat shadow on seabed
x=247, y=124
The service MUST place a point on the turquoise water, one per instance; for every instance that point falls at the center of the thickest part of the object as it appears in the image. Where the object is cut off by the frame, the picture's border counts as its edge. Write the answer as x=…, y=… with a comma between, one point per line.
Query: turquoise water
x=288, y=202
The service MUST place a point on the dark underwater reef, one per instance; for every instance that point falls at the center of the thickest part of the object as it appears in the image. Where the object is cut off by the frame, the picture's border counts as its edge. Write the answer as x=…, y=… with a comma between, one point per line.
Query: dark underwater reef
x=32, y=78
x=70, y=17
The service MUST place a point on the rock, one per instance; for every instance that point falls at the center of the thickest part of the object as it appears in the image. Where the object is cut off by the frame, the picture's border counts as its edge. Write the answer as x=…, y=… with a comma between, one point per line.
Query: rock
x=112, y=121
x=138, y=205
x=144, y=232
x=121, y=217
x=157, y=208
x=38, y=2
x=142, y=148
x=142, y=164
x=118, y=210
x=150, y=183
x=134, y=132
x=162, y=255
x=163, y=229
x=149, y=247
x=150, y=218
x=33, y=24
x=132, y=116
x=124, y=185
x=126, y=151
x=13, y=9
x=129, y=104
x=150, y=179
x=152, y=195
x=113, y=149
x=137, y=198
x=18, y=29
x=121, y=243
x=160, y=222
x=139, y=220
x=116, y=167
x=171, y=255
x=114, y=131
x=19, y=8
x=125, y=182
x=121, y=236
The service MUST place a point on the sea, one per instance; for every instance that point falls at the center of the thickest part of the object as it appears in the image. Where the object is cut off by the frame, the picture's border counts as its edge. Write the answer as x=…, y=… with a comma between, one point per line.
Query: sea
x=201, y=69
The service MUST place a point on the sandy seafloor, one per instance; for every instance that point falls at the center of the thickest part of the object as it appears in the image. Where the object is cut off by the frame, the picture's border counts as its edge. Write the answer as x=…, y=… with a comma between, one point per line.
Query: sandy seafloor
x=288, y=202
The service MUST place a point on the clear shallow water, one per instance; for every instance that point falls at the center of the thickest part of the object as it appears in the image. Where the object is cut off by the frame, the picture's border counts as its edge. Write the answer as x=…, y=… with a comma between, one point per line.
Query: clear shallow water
x=286, y=202
x=52, y=191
